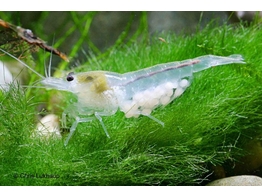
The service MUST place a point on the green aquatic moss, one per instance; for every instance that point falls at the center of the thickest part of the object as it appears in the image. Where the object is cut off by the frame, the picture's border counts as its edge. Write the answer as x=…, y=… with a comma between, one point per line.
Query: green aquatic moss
x=207, y=126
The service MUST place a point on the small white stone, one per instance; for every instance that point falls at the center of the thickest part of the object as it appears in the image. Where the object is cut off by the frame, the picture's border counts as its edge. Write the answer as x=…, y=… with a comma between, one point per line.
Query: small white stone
x=48, y=126
x=5, y=76
x=244, y=180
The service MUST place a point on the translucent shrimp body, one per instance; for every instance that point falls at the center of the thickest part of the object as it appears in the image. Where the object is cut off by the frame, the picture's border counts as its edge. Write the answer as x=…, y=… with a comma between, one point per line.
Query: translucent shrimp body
x=159, y=85
x=102, y=93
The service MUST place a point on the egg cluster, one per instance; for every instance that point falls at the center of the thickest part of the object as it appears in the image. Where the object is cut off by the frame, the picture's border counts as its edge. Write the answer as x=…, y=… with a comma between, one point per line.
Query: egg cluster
x=144, y=102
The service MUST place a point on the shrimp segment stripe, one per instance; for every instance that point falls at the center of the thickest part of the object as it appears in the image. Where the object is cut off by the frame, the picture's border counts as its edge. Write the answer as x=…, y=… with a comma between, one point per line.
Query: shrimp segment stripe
x=164, y=70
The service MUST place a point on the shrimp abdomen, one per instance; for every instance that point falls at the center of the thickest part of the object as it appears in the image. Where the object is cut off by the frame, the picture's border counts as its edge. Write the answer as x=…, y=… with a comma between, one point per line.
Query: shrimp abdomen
x=212, y=61
x=143, y=90
x=174, y=71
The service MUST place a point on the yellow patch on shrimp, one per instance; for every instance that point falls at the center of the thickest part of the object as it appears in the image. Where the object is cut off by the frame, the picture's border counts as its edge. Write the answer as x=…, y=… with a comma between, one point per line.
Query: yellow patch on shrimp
x=98, y=81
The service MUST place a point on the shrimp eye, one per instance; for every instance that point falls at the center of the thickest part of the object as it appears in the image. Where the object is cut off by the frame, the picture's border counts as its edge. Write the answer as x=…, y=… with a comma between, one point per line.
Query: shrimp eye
x=70, y=77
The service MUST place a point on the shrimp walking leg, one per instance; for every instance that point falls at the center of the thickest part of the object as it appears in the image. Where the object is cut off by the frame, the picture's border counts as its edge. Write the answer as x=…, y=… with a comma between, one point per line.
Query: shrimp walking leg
x=155, y=119
x=101, y=122
x=73, y=127
x=80, y=120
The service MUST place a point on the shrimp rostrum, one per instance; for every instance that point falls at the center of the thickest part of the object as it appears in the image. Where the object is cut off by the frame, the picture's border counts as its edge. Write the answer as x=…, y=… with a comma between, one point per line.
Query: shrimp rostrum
x=103, y=93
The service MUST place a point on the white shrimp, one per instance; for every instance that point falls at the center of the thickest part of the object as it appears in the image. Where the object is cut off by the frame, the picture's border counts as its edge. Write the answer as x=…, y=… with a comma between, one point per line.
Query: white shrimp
x=102, y=93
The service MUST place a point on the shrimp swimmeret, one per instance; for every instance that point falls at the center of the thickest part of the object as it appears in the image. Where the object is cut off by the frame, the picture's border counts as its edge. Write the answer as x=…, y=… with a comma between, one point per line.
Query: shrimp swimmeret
x=102, y=93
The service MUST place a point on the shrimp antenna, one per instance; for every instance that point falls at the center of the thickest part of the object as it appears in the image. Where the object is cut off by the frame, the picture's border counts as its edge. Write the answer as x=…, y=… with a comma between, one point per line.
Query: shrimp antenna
x=48, y=69
x=50, y=60
x=22, y=63
x=46, y=74
x=49, y=65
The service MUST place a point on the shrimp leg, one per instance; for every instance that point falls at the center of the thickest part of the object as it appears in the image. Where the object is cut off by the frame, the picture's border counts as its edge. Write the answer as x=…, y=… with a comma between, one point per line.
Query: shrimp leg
x=80, y=120
x=73, y=127
x=155, y=119
x=101, y=122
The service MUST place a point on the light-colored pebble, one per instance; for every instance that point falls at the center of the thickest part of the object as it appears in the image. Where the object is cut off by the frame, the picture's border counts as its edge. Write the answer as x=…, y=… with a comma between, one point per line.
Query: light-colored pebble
x=244, y=180
x=48, y=127
x=5, y=76
x=15, y=69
